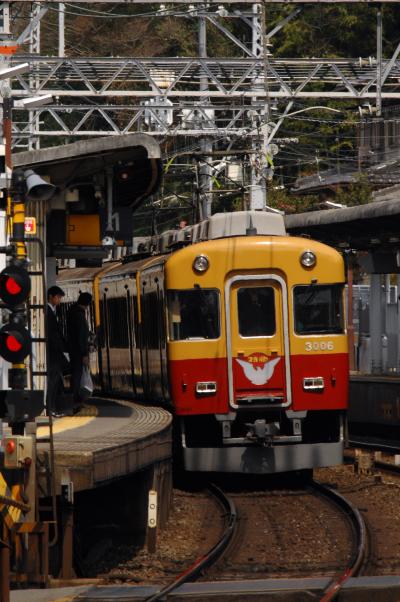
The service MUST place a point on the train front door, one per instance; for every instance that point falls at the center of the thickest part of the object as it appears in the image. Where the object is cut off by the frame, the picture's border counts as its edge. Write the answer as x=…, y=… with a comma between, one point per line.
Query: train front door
x=258, y=342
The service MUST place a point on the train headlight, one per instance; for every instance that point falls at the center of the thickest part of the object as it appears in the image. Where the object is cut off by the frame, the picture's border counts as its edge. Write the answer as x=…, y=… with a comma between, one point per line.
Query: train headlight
x=201, y=263
x=308, y=259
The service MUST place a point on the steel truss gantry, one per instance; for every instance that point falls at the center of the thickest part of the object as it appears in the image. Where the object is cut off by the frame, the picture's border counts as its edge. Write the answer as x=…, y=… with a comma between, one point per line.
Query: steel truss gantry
x=164, y=96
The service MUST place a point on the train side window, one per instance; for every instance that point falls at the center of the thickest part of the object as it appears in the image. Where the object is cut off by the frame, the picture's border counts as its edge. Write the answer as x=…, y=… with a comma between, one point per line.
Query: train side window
x=318, y=309
x=118, y=327
x=150, y=322
x=193, y=314
x=256, y=311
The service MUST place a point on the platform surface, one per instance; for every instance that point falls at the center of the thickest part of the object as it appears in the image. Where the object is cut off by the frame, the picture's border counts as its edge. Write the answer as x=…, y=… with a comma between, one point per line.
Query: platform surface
x=115, y=439
x=359, y=589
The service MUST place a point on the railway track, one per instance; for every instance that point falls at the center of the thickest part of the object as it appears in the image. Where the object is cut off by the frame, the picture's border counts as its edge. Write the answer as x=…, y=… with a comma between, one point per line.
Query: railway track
x=375, y=490
x=241, y=555
x=375, y=444
x=207, y=560
x=355, y=565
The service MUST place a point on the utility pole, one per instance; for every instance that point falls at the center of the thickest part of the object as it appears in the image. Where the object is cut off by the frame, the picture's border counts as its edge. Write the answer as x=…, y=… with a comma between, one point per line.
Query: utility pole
x=258, y=187
x=34, y=49
x=205, y=169
x=379, y=61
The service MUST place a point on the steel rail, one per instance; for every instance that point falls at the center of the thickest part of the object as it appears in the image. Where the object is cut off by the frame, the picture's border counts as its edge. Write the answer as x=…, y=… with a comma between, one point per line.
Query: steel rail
x=377, y=445
x=358, y=523
x=212, y=555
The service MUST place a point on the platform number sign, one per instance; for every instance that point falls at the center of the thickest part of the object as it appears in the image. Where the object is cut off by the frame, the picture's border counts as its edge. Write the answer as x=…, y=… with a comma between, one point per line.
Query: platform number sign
x=30, y=225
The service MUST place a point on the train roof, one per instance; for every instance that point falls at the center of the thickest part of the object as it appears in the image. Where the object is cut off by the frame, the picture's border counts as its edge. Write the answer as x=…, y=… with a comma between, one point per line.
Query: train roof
x=219, y=225
x=77, y=274
x=133, y=266
x=107, y=270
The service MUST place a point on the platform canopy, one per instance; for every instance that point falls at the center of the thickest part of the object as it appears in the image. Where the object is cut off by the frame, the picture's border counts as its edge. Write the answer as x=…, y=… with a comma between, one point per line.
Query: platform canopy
x=364, y=227
x=137, y=157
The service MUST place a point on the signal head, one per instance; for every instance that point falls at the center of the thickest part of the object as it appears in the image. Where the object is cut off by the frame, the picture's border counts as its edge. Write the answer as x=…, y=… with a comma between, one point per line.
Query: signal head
x=15, y=285
x=15, y=343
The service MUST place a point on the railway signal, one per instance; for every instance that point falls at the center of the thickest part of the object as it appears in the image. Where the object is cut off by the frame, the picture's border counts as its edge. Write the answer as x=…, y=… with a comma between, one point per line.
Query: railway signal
x=15, y=343
x=15, y=286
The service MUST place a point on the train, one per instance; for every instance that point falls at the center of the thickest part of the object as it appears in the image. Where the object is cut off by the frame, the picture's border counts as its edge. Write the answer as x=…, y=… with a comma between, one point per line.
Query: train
x=236, y=327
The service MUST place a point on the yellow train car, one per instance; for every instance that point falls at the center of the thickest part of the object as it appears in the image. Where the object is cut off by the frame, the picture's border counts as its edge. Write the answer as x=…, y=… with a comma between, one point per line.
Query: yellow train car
x=240, y=330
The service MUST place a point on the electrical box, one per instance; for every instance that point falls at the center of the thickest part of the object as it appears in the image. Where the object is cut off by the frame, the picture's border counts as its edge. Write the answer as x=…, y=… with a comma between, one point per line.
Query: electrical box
x=72, y=195
x=83, y=230
x=18, y=451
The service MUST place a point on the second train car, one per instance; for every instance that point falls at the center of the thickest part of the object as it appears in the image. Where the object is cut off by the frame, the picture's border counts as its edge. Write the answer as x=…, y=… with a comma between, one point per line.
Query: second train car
x=240, y=330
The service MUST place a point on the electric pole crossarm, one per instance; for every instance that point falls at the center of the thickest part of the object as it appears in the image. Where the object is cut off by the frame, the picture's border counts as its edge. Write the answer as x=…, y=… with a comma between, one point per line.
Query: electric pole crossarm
x=26, y=34
x=229, y=35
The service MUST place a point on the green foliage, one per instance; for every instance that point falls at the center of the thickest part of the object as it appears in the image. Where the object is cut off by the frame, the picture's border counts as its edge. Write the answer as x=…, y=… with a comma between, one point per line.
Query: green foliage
x=358, y=193
x=333, y=30
x=279, y=198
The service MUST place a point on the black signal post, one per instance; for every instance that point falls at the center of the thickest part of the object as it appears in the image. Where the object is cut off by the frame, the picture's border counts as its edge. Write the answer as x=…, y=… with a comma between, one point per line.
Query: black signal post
x=15, y=286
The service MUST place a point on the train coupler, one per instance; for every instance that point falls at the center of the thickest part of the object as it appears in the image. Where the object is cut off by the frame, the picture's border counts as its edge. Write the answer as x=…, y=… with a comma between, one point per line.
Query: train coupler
x=262, y=431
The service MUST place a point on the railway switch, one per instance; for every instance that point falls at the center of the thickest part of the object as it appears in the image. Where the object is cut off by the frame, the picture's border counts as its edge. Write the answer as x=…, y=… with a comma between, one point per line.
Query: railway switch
x=18, y=451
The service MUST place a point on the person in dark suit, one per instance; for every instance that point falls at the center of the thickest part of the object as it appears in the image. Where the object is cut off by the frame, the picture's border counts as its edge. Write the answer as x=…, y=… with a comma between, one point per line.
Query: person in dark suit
x=56, y=347
x=78, y=343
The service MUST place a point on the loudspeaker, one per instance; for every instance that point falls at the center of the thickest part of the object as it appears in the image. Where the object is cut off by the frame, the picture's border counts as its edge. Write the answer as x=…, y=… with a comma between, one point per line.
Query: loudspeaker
x=37, y=189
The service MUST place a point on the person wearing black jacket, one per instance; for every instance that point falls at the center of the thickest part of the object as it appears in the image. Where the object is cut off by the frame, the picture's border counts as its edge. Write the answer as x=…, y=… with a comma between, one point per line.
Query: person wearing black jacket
x=78, y=343
x=56, y=347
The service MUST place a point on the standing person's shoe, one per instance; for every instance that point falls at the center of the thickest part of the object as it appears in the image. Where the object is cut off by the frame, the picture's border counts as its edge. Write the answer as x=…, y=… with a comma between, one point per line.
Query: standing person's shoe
x=77, y=408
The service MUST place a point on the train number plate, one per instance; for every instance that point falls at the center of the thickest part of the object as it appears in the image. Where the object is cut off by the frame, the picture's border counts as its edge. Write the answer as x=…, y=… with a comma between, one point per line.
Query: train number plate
x=319, y=346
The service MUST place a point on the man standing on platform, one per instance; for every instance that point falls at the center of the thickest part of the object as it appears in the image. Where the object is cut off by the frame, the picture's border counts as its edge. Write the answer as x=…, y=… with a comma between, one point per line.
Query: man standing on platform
x=78, y=344
x=56, y=348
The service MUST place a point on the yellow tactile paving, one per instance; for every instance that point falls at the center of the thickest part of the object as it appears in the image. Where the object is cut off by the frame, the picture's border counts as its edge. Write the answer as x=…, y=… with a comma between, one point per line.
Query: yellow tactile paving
x=64, y=424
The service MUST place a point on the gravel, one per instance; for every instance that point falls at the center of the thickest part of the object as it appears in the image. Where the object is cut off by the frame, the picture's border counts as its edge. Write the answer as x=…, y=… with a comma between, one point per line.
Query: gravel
x=293, y=535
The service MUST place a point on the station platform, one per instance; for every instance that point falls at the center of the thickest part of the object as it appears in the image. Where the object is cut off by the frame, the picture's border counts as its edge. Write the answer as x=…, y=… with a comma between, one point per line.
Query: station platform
x=107, y=440
x=357, y=589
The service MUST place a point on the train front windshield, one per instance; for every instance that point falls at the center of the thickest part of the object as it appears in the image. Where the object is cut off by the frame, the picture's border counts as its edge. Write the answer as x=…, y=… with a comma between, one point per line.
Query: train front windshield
x=318, y=309
x=193, y=314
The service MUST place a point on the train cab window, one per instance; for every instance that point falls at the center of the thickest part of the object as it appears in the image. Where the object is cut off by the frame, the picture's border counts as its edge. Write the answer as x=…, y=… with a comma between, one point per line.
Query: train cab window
x=193, y=314
x=318, y=309
x=256, y=311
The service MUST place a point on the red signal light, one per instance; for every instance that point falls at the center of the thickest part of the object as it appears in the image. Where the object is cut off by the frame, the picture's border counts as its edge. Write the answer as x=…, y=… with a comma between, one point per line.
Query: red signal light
x=15, y=285
x=15, y=343
x=12, y=286
x=12, y=343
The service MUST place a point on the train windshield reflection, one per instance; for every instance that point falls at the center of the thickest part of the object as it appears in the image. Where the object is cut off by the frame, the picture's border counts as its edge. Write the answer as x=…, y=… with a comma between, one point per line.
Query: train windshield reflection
x=193, y=314
x=318, y=309
x=256, y=311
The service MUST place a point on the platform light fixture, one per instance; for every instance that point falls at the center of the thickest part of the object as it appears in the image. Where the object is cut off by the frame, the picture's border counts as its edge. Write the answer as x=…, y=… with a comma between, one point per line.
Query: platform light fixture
x=33, y=101
x=14, y=70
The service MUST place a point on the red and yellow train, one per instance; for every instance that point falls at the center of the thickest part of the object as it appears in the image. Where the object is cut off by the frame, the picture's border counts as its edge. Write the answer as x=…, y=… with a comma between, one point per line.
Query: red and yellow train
x=240, y=330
